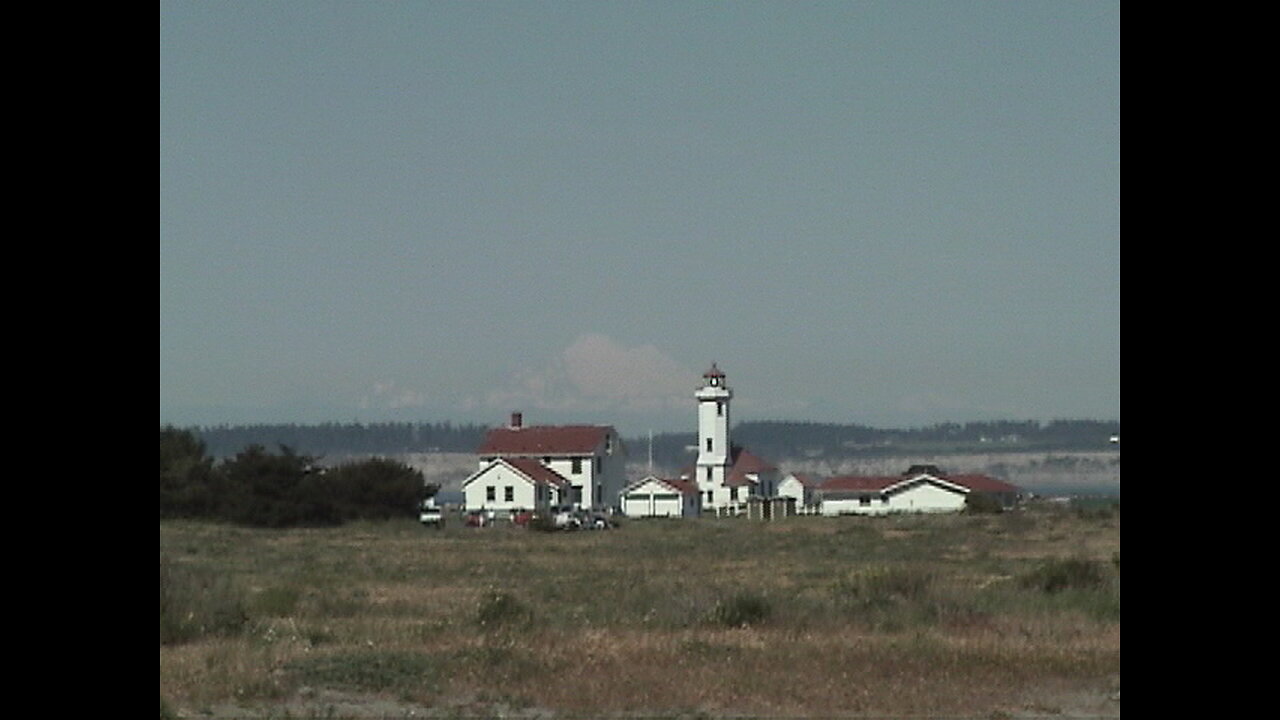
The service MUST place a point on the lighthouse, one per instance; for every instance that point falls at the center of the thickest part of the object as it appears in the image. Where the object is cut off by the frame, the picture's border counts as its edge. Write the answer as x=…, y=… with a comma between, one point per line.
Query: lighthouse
x=714, y=454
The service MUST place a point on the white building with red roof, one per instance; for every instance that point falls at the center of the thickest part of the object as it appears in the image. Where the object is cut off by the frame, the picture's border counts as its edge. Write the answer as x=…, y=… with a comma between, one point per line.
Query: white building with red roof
x=588, y=460
x=725, y=474
x=508, y=485
x=920, y=489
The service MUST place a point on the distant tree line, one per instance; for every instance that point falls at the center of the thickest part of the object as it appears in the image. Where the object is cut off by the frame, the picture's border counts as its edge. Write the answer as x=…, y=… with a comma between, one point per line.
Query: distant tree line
x=261, y=488
x=777, y=440
x=344, y=438
x=771, y=439
x=792, y=439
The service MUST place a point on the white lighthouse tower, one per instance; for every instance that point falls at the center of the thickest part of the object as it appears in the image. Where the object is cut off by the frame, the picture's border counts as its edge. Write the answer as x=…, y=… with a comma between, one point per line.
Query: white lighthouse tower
x=714, y=455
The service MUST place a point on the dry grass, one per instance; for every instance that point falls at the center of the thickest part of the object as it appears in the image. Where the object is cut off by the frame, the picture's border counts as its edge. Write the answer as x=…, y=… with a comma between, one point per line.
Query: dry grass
x=900, y=616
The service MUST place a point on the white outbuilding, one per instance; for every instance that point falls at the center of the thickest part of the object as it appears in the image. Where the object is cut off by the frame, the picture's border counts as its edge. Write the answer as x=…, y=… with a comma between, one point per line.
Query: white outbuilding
x=653, y=496
x=803, y=488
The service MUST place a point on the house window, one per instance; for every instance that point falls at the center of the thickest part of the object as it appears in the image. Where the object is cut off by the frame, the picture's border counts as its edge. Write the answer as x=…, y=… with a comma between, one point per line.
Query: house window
x=733, y=494
x=490, y=493
x=576, y=497
x=708, y=444
x=708, y=474
x=864, y=500
x=599, y=465
x=577, y=466
x=509, y=494
x=599, y=495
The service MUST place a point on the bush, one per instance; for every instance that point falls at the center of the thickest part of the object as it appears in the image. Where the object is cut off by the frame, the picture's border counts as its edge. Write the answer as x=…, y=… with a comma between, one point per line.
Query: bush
x=881, y=587
x=264, y=489
x=499, y=608
x=982, y=504
x=741, y=610
x=368, y=671
x=1070, y=574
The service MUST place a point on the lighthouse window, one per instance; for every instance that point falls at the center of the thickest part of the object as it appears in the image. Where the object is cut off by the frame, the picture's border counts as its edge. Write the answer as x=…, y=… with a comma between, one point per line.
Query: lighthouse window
x=708, y=444
x=720, y=409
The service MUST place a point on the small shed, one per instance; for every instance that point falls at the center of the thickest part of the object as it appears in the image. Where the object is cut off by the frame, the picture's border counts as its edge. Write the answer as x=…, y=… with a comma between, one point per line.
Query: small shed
x=653, y=496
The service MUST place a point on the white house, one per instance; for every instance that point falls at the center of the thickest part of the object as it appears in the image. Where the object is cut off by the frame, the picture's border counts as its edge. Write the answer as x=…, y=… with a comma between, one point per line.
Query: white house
x=508, y=485
x=725, y=474
x=802, y=488
x=590, y=457
x=918, y=490
x=653, y=496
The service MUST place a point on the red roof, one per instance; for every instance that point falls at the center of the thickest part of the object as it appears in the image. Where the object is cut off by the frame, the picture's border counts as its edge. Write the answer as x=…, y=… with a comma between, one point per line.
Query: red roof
x=537, y=472
x=544, y=440
x=745, y=461
x=713, y=372
x=685, y=487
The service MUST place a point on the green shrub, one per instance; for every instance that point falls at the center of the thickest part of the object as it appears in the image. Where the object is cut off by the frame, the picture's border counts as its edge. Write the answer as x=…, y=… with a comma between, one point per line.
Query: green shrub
x=367, y=671
x=742, y=609
x=881, y=587
x=977, y=503
x=499, y=608
x=1070, y=574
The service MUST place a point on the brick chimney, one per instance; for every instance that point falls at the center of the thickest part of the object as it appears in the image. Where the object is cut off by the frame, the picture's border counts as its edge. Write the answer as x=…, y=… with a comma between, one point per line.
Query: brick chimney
x=517, y=419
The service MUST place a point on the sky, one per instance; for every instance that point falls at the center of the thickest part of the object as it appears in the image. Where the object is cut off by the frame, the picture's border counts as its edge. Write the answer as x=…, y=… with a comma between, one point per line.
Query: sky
x=886, y=213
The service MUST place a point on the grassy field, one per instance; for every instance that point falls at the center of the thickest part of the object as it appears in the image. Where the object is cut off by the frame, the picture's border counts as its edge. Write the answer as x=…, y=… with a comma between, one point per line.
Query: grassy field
x=996, y=616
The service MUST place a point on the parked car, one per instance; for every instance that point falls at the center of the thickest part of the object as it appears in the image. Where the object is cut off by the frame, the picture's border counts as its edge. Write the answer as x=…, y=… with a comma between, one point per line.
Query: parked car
x=522, y=518
x=431, y=515
x=600, y=522
x=565, y=520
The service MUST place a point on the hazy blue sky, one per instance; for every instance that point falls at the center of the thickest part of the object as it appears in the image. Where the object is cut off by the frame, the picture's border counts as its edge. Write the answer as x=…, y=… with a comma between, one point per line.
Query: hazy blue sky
x=893, y=213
